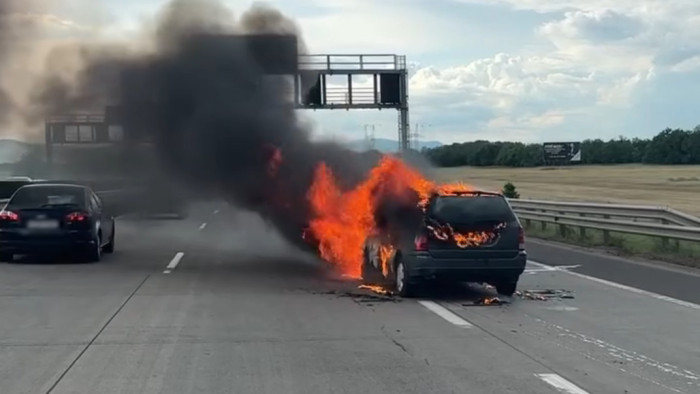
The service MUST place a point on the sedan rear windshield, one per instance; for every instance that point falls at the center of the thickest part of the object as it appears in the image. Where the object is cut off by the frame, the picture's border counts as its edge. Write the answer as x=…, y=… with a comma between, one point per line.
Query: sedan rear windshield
x=471, y=209
x=47, y=197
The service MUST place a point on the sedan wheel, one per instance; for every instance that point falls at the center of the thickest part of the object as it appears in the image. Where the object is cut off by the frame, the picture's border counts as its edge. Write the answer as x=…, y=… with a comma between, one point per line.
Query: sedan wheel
x=404, y=288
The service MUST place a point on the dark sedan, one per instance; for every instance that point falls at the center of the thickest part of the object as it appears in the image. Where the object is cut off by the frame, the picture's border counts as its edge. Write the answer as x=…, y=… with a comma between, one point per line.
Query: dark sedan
x=52, y=218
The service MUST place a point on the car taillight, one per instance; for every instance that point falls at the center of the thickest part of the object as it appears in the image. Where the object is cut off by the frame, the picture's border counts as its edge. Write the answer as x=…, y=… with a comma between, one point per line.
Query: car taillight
x=76, y=217
x=9, y=216
x=521, y=239
x=421, y=243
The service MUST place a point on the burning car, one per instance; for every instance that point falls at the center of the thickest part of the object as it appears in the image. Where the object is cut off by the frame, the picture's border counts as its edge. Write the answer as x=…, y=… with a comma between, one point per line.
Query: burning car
x=465, y=236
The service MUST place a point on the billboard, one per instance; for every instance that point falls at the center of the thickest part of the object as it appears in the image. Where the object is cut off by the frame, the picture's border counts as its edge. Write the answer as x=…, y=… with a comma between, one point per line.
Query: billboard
x=562, y=151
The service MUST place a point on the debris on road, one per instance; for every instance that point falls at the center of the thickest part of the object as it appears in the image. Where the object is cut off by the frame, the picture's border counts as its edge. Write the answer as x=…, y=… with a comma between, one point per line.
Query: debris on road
x=488, y=301
x=377, y=289
x=544, y=295
x=361, y=297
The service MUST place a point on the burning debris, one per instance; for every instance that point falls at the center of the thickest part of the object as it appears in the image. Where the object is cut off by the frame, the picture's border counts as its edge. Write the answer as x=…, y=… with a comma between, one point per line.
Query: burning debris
x=490, y=301
x=377, y=289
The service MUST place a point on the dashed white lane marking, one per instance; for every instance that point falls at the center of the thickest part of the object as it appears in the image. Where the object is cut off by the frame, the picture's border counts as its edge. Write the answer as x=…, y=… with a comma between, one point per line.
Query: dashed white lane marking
x=216, y=212
x=561, y=384
x=619, y=286
x=445, y=314
x=202, y=226
x=173, y=263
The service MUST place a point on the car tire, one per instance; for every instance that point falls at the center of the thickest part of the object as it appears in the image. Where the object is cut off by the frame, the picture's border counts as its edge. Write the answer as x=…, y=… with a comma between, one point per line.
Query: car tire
x=94, y=254
x=6, y=257
x=402, y=285
x=506, y=288
x=109, y=248
x=370, y=276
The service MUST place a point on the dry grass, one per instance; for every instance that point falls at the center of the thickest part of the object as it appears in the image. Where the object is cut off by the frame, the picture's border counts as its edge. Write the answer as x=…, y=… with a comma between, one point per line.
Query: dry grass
x=674, y=186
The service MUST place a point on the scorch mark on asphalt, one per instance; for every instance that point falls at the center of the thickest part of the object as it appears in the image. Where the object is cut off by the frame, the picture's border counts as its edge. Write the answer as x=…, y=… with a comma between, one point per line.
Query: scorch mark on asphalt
x=445, y=314
x=617, y=285
x=173, y=263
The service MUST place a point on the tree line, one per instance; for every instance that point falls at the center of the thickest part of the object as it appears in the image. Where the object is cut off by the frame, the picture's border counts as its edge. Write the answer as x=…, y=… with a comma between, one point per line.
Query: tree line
x=671, y=146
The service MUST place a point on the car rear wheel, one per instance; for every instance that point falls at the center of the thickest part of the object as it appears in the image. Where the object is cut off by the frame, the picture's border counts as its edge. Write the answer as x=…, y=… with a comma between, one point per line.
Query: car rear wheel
x=6, y=257
x=402, y=285
x=94, y=253
x=506, y=288
x=109, y=248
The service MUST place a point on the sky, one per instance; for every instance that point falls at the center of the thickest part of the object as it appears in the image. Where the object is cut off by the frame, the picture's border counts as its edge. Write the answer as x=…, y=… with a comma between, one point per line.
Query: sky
x=506, y=70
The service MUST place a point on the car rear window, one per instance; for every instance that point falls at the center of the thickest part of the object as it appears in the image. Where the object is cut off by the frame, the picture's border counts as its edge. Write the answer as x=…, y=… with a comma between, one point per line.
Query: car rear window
x=38, y=197
x=470, y=209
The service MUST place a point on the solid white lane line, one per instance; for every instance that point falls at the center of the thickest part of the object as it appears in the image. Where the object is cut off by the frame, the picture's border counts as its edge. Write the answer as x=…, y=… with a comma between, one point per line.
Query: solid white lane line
x=560, y=383
x=202, y=226
x=173, y=263
x=620, y=286
x=445, y=313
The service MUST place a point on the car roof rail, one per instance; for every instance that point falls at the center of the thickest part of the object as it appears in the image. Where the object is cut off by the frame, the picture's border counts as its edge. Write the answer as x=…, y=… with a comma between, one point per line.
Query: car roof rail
x=475, y=193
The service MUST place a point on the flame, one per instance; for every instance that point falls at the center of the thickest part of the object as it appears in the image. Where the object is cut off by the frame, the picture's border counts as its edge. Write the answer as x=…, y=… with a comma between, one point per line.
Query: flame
x=377, y=289
x=385, y=252
x=343, y=220
x=490, y=301
x=464, y=240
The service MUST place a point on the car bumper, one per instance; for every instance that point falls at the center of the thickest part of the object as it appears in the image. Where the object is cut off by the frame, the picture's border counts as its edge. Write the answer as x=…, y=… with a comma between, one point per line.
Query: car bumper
x=47, y=244
x=424, y=266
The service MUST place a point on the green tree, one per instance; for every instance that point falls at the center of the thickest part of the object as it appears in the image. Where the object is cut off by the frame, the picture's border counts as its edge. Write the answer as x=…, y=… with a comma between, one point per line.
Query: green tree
x=670, y=146
x=509, y=191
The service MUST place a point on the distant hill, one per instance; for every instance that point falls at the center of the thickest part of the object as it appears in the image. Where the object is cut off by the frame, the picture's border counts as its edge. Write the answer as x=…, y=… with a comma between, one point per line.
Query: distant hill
x=386, y=145
x=12, y=150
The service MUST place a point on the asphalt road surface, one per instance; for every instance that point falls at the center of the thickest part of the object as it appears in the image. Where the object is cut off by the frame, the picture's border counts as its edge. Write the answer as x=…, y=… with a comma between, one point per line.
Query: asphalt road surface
x=217, y=304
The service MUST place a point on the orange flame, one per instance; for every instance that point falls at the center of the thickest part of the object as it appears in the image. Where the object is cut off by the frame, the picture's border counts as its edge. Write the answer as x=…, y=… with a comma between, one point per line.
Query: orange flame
x=344, y=219
x=465, y=240
x=385, y=252
x=377, y=289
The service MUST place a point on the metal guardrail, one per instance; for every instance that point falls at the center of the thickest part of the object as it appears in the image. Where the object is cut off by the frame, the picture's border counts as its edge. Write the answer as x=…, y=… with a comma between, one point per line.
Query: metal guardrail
x=655, y=221
x=338, y=62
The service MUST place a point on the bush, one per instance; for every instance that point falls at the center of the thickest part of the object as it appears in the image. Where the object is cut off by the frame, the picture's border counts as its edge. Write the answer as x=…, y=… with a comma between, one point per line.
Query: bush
x=509, y=191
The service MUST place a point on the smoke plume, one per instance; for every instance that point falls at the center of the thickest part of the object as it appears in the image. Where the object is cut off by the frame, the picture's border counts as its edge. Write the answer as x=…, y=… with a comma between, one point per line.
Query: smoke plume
x=216, y=117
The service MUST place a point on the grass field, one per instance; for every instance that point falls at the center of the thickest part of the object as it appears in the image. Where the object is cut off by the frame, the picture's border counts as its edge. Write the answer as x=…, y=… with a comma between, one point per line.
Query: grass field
x=674, y=186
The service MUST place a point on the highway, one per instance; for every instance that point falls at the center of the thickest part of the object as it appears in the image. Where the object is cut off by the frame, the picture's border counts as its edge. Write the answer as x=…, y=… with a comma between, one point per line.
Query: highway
x=216, y=303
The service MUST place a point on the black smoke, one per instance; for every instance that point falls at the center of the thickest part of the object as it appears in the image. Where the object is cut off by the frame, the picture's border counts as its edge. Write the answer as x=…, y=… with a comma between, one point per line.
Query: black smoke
x=214, y=114
x=8, y=33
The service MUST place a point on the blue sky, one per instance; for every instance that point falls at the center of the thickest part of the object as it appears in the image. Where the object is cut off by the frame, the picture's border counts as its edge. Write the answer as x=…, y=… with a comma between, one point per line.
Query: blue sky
x=525, y=70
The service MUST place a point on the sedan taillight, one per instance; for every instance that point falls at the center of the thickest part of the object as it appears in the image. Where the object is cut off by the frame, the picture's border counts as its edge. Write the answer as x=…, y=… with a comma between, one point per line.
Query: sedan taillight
x=521, y=239
x=421, y=243
x=76, y=217
x=9, y=216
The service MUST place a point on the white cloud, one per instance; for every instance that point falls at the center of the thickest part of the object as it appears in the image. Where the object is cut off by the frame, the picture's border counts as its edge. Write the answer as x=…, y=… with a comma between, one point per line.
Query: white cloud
x=687, y=65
